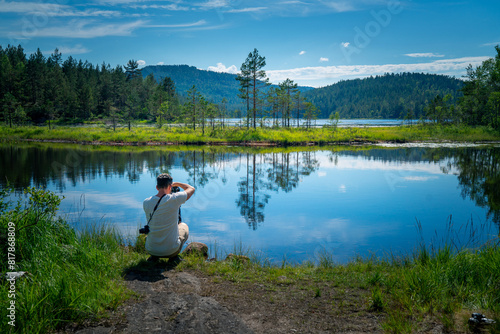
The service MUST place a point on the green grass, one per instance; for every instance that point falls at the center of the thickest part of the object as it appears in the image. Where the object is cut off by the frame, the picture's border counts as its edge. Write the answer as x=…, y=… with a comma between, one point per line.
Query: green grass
x=264, y=136
x=70, y=277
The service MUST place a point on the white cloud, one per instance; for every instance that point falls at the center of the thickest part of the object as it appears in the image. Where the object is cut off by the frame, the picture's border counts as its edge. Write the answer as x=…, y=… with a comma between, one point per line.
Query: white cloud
x=345, y=44
x=141, y=63
x=302, y=53
x=246, y=10
x=491, y=44
x=222, y=68
x=211, y=4
x=339, y=6
x=395, y=169
x=51, y=10
x=77, y=49
x=173, y=7
x=420, y=178
x=323, y=59
x=293, y=2
x=29, y=7
x=180, y=25
x=84, y=29
x=424, y=55
x=160, y=63
x=336, y=73
x=95, y=199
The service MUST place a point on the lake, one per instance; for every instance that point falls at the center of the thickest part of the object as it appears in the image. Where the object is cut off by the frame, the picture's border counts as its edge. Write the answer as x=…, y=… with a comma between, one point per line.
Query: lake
x=322, y=122
x=281, y=203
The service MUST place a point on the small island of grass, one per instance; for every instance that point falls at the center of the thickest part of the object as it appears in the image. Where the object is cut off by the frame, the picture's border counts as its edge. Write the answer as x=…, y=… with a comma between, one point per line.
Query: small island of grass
x=148, y=135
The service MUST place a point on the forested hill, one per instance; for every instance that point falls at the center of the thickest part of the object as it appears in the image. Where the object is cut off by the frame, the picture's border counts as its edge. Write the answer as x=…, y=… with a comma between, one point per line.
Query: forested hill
x=214, y=86
x=387, y=96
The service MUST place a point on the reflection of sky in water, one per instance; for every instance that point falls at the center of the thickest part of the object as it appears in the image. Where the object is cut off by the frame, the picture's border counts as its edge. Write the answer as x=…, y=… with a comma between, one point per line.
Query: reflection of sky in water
x=348, y=205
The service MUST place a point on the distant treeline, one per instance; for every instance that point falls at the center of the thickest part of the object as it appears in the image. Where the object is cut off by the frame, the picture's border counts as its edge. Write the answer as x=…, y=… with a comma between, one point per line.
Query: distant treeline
x=387, y=96
x=438, y=98
x=213, y=86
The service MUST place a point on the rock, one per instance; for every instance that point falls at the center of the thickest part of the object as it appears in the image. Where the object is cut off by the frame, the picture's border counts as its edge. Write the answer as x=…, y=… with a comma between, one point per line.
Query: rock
x=197, y=248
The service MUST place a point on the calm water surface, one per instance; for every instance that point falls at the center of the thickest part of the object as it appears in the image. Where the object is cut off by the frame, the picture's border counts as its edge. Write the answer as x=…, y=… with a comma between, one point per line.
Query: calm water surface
x=281, y=203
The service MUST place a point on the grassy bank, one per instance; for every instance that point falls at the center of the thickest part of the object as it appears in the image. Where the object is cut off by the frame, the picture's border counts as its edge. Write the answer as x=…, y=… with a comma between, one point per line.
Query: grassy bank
x=75, y=276
x=69, y=276
x=263, y=136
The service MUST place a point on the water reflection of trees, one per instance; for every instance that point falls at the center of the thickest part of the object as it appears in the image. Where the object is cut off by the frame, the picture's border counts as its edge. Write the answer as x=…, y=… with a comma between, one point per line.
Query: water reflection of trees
x=40, y=165
x=59, y=165
x=479, y=177
x=478, y=173
x=270, y=172
x=263, y=172
x=477, y=169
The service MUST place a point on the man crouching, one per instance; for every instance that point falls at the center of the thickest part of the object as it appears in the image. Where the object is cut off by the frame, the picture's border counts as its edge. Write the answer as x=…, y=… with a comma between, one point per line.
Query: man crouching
x=167, y=234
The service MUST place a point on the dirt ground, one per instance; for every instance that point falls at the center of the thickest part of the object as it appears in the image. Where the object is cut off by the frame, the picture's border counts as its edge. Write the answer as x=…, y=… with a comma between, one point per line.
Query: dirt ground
x=171, y=301
x=283, y=308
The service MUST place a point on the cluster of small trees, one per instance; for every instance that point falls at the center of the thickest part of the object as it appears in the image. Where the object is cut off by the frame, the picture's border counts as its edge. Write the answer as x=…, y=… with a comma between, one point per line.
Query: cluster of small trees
x=281, y=103
x=198, y=110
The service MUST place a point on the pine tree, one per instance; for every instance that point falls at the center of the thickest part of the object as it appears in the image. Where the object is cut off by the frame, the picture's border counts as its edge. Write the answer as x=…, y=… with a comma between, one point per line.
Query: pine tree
x=132, y=70
x=193, y=105
x=288, y=89
x=253, y=67
x=244, y=78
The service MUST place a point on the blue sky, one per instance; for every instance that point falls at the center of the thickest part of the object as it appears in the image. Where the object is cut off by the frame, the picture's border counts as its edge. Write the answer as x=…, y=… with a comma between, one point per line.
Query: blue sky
x=313, y=42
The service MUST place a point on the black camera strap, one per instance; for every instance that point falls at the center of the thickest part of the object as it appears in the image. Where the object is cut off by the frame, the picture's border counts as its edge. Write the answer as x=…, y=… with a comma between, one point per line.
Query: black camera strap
x=156, y=206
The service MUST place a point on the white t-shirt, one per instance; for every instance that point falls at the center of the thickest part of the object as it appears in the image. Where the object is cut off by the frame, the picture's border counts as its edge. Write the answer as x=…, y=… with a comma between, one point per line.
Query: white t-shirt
x=163, y=236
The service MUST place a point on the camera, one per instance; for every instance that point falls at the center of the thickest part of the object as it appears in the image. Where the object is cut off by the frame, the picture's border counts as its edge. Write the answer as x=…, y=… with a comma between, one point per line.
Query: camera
x=144, y=230
x=175, y=190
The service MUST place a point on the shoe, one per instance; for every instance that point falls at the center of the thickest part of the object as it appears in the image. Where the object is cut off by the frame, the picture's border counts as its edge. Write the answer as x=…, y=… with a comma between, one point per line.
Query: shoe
x=175, y=260
x=153, y=259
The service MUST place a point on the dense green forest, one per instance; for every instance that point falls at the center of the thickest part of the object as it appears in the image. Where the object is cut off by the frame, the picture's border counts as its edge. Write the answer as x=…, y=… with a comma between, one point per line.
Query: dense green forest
x=387, y=96
x=39, y=89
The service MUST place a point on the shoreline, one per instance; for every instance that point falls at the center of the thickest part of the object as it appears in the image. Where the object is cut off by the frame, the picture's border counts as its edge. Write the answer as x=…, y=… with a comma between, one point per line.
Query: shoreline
x=387, y=144
x=204, y=143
